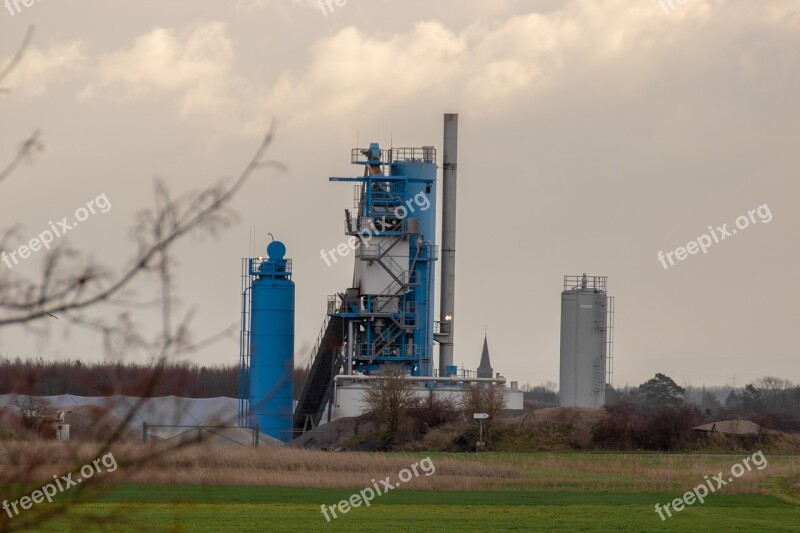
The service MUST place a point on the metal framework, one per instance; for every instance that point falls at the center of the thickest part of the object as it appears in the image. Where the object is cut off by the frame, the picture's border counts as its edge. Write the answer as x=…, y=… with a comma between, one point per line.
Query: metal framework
x=584, y=282
x=244, y=346
x=610, y=342
x=386, y=320
x=388, y=326
x=251, y=270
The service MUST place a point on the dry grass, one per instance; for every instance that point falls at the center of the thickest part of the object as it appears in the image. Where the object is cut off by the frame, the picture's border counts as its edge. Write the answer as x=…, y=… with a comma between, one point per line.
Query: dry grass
x=643, y=472
x=308, y=468
x=245, y=466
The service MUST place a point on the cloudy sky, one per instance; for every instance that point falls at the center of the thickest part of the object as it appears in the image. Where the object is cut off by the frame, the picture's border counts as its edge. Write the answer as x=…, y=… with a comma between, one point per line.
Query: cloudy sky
x=593, y=135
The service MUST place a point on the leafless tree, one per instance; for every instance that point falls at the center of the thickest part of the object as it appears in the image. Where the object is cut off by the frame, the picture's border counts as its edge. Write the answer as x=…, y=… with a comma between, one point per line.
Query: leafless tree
x=490, y=399
x=773, y=390
x=479, y=398
x=86, y=294
x=390, y=399
x=32, y=411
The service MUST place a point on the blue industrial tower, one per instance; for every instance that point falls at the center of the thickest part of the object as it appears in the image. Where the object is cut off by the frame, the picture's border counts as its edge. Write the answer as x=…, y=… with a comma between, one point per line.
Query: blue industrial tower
x=389, y=309
x=385, y=320
x=267, y=343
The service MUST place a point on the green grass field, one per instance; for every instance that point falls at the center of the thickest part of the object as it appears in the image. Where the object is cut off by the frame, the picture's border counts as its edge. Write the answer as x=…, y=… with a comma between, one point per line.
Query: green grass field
x=283, y=490
x=187, y=508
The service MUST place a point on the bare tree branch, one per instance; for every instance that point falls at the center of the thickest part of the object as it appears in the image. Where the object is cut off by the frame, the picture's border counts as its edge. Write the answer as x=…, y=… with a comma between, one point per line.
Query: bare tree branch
x=167, y=225
x=23, y=47
x=71, y=287
x=29, y=146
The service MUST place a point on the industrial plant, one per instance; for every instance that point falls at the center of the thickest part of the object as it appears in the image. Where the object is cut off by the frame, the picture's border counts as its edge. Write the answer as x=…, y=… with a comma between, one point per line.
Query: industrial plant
x=384, y=322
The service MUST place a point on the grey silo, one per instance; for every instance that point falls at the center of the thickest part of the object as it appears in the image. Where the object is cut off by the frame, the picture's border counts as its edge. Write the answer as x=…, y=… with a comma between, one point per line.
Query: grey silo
x=585, y=340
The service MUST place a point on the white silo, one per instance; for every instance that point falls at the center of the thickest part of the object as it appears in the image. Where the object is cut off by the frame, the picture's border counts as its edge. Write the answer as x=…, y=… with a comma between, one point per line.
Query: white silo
x=586, y=321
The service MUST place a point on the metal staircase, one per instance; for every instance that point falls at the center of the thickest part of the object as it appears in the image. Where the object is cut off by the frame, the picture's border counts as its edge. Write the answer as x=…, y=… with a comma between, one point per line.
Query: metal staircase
x=326, y=361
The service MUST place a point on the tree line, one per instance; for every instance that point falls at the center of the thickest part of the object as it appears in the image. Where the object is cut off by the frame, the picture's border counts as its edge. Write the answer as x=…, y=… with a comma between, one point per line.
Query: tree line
x=772, y=402
x=39, y=377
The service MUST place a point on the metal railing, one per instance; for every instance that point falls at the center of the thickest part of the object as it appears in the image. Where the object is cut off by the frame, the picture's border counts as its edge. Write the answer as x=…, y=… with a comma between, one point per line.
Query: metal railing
x=387, y=304
x=442, y=327
x=584, y=282
x=461, y=373
x=425, y=154
x=371, y=253
x=405, y=279
x=432, y=255
x=368, y=304
x=376, y=226
x=412, y=351
x=317, y=344
x=263, y=267
x=335, y=304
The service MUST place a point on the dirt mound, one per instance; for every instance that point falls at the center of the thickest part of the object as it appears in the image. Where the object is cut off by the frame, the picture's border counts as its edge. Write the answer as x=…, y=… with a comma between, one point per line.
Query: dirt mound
x=568, y=416
x=731, y=427
x=332, y=435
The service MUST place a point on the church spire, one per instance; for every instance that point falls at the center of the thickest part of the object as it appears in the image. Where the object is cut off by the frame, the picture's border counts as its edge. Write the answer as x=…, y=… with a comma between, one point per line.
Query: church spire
x=485, y=369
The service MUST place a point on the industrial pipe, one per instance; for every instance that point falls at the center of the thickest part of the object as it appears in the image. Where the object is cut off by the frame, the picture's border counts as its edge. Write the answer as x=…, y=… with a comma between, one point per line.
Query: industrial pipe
x=349, y=369
x=499, y=380
x=448, y=255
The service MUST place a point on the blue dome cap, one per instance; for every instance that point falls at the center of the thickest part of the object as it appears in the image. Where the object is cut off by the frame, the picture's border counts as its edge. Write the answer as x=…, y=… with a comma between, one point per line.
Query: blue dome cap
x=276, y=251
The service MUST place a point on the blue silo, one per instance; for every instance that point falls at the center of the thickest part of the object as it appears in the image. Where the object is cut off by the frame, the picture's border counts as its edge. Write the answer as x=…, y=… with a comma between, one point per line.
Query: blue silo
x=420, y=204
x=271, y=341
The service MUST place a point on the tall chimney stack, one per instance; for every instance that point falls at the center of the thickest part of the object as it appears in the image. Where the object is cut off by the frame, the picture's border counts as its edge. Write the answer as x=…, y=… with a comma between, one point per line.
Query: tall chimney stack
x=448, y=252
